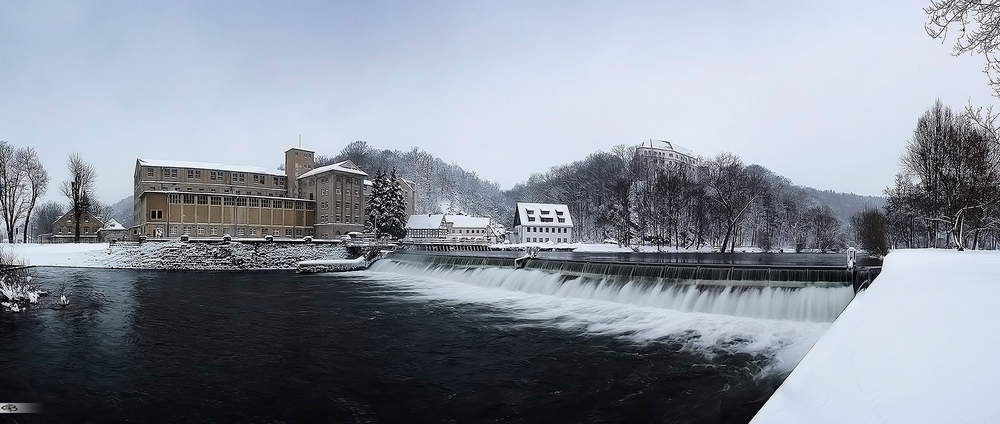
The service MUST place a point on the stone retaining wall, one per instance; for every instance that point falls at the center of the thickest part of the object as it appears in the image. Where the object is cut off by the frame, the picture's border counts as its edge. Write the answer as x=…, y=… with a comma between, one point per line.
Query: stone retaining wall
x=232, y=256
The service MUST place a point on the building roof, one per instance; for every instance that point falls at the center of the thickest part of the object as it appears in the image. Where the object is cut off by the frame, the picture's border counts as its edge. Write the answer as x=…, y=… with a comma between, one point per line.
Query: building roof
x=209, y=165
x=84, y=214
x=112, y=225
x=345, y=166
x=666, y=145
x=465, y=221
x=425, y=222
x=542, y=210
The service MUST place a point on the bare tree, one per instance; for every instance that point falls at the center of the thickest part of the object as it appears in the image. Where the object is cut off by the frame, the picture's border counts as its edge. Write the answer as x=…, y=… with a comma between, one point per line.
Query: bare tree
x=734, y=188
x=872, y=229
x=79, y=189
x=37, y=181
x=13, y=190
x=825, y=227
x=46, y=214
x=978, y=24
x=101, y=210
x=955, y=168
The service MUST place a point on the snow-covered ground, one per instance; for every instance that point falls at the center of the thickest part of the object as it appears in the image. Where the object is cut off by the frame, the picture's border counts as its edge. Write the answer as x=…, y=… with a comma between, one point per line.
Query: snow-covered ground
x=919, y=346
x=174, y=255
x=68, y=254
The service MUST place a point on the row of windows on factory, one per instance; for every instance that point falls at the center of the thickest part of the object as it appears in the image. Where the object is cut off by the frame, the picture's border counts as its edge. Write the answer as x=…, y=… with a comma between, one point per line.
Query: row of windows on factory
x=224, y=191
x=240, y=231
x=191, y=199
x=326, y=192
x=325, y=219
x=217, y=176
x=326, y=205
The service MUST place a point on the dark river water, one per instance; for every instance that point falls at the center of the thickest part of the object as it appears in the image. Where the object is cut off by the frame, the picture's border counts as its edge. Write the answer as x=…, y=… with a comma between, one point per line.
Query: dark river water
x=172, y=346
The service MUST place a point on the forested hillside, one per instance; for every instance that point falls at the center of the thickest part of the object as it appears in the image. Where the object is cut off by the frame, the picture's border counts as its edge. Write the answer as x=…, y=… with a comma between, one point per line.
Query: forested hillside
x=441, y=187
x=720, y=202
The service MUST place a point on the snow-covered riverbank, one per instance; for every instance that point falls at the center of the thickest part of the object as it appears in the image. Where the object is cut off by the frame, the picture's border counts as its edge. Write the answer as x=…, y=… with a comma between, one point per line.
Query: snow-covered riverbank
x=175, y=255
x=918, y=346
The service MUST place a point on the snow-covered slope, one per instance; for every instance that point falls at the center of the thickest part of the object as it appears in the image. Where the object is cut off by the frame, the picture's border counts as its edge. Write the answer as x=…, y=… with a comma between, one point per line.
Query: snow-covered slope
x=919, y=346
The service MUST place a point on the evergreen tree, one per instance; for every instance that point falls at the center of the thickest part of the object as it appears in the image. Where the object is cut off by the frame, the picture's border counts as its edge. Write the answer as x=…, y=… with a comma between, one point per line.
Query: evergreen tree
x=395, y=208
x=376, y=203
x=386, y=207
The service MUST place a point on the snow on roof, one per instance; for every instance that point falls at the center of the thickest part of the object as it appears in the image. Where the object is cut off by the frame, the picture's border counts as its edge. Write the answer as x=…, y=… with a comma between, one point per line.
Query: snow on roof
x=537, y=211
x=424, y=222
x=666, y=145
x=411, y=183
x=209, y=165
x=113, y=225
x=465, y=221
x=345, y=166
x=83, y=215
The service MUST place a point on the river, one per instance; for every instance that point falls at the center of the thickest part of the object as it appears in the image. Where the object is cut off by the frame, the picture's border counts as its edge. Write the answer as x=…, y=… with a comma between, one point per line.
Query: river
x=377, y=346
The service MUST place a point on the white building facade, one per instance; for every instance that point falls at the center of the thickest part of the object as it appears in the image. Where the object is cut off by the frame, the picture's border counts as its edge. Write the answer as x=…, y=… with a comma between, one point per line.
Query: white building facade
x=464, y=227
x=658, y=154
x=542, y=223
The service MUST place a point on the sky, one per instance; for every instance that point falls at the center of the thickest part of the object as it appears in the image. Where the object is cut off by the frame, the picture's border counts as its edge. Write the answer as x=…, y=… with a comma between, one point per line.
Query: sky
x=824, y=93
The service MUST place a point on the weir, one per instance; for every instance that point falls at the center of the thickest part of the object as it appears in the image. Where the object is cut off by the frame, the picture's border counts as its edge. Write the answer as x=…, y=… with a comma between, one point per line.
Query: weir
x=772, y=292
x=788, y=276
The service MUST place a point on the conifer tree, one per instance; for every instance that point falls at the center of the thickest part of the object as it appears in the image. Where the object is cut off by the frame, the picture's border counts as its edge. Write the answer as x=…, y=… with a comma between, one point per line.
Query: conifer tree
x=376, y=203
x=395, y=208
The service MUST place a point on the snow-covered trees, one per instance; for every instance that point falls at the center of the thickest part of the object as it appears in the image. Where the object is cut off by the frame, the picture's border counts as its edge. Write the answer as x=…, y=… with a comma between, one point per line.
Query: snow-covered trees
x=22, y=181
x=734, y=188
x=949, y=180
x=79, y=189
x=825, y=228
x=610, y=196
x=438, y=184
x=386, y=207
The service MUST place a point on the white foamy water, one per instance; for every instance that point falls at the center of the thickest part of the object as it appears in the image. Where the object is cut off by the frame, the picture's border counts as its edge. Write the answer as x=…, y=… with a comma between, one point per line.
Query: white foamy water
x=818, y=304
x=707, y=321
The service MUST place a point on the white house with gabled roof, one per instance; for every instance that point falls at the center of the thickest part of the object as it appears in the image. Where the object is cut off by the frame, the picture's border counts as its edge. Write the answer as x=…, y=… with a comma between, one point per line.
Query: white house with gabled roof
x=112, y=231
x=468, y=227
x=542, y=223
x=429, y=226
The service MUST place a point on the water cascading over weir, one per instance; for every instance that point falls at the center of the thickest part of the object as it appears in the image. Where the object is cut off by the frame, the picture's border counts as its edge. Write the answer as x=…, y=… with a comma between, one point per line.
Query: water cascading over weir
x=798, y=293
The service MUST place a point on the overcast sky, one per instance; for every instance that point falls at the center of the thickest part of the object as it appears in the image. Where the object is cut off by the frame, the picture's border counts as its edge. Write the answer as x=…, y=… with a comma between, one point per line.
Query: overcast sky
x=825, y=94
